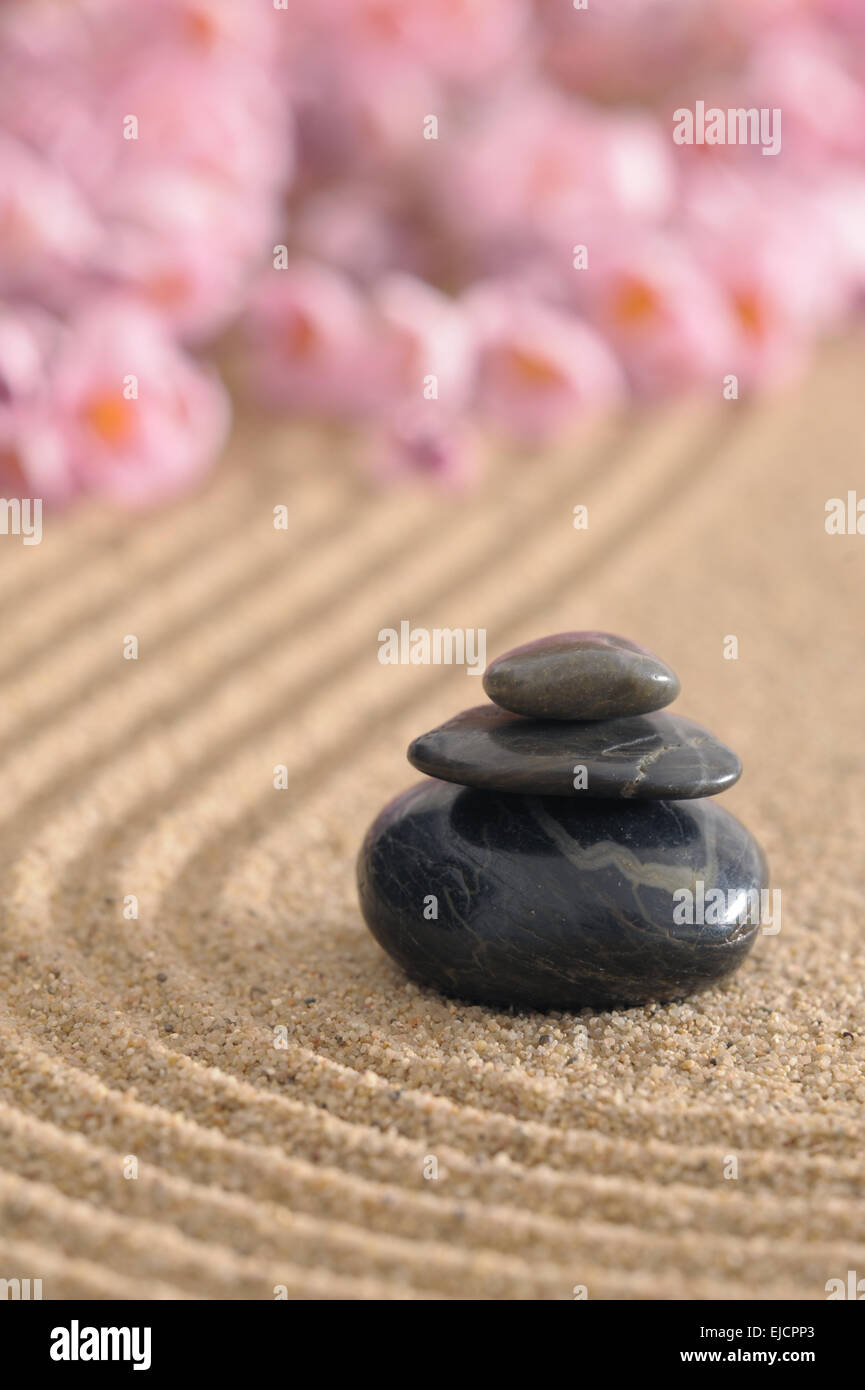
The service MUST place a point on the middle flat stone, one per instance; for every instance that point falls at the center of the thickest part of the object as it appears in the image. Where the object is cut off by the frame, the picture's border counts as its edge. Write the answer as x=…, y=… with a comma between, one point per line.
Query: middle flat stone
x=646, y=757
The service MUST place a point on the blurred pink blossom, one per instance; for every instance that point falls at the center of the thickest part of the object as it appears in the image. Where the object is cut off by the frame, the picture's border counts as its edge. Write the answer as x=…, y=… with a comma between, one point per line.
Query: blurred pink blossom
x=214, y=117
x=27, y=339
x=760, y=255
x=842, y=211
x=420, y=443
x=800, y=70
x=539, y=367
x=107, y=403
x=310, y=334
x=648, y=297
x=464, y=40
x=622, y=50
x=362, y=115
x=185, y=245
x=47, y=230
x=208, y=28
x=142, y=420
x=34, y=460
x=534, y=166
x=388, y=197
x=422, y=336
x=355, y=227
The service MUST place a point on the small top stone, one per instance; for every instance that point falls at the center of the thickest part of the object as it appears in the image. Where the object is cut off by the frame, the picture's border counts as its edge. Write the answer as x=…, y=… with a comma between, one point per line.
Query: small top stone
x=580, y=675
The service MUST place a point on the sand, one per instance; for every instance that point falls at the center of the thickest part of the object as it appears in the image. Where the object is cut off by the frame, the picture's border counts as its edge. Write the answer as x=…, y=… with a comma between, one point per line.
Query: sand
x=235, y=1094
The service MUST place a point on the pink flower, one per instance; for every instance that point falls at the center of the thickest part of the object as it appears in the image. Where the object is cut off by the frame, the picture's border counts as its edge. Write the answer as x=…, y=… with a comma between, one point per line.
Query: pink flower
x=619, y=49
x=161, y=244
x=144, y=152
x=462, y=40
x=649, y=298
x=141, y=419
x=199, y=78
x=421, y=443
x=34, y=459
x=842, y=210
x=47, y=231
x=466, y=39
x=427, y=278
x=353, y=227
x=310, y=337
x=539, y=367
x=223, y=118
x=208, y=29
x=360, y=111
x=424, y=342
x=626, y=50
x=760, y=246
x=800, y=69
x=48, y=103
x=27, y=339
x=195, y=295
x=106, y=403
x=845, y=17
x=535, y=166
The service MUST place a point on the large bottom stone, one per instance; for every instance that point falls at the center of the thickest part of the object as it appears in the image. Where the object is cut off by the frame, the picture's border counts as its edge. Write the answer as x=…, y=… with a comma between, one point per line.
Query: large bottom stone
x=547, y=903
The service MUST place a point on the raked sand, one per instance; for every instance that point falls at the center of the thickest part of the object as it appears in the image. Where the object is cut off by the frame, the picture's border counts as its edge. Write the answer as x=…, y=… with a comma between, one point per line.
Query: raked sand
x=236, y=1093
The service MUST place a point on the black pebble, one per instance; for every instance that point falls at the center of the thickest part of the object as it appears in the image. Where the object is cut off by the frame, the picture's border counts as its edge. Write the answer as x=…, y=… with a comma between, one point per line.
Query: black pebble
x=552, y=903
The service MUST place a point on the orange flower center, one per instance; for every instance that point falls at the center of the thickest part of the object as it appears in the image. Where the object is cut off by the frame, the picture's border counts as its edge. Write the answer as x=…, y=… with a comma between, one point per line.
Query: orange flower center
x=635, y=303
x=168, y=289
x=531, y=368
x=110, y=416
x=301, y=336
x=12, y=469
x=750, y=312
x=383, y=19
x=200, y=26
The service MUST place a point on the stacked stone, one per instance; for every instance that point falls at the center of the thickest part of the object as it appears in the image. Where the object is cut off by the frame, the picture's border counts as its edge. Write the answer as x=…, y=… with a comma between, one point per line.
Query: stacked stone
x=562, y=852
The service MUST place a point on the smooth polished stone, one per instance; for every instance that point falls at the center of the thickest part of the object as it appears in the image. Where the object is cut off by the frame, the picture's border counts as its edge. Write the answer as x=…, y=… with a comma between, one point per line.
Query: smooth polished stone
x=649, y=757
x=580, y=675
x=546, y=903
